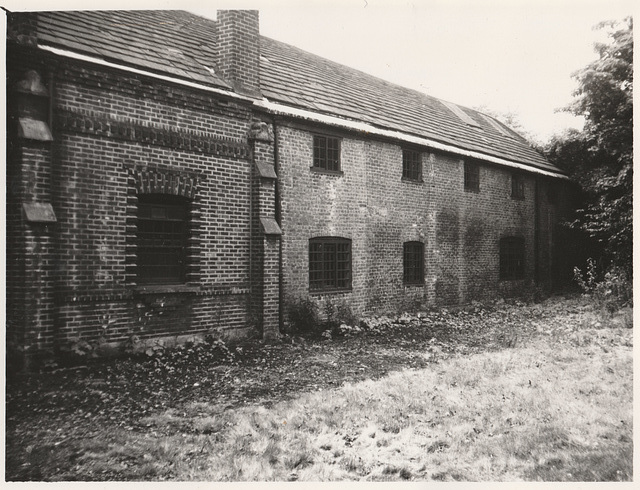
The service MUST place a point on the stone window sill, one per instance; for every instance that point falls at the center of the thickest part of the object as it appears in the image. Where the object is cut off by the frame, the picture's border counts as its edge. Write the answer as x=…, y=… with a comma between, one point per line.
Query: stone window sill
x=323, y=171
x=412, y=181
x=165, y=289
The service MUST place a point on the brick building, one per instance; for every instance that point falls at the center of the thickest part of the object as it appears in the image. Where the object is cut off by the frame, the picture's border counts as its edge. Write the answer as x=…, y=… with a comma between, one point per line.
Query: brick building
x=171, y=176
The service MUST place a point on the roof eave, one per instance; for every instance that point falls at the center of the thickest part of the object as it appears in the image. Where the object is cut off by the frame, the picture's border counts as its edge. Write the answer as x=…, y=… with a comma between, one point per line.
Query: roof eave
x=276, y=108
x=281, y=109
x=130, y=69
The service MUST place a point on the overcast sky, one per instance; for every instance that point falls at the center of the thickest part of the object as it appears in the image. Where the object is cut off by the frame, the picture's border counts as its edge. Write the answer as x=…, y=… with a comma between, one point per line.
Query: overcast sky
x=510, y=56
x=507, y=55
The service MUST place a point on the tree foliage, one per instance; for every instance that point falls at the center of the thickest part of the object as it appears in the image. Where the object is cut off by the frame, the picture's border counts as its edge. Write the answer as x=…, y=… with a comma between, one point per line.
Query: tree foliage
x=600, y=158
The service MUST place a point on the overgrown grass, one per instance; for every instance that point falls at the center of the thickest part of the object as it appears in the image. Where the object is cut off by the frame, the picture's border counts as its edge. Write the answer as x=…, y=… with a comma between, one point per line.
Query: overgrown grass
x=556, y=406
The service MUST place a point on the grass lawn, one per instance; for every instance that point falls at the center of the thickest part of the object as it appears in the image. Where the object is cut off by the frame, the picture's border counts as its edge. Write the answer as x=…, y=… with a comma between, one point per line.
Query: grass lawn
x=504, y=392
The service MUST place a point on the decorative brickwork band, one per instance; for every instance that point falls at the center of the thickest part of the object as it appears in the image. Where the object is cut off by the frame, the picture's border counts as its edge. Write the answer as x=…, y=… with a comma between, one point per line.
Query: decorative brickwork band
x=154, y=182
x=168, y=138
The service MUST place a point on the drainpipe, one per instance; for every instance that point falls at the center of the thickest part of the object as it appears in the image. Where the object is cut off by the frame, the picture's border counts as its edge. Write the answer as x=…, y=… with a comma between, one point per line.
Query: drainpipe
x=278, y=209
x=536, y=232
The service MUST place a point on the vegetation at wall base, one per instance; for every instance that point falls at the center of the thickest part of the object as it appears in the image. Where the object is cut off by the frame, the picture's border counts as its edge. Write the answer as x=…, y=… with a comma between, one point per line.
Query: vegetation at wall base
x=496, y=392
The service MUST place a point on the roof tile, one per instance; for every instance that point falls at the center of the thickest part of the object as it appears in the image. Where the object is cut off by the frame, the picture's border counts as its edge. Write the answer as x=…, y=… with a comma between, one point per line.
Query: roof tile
x=183, y=45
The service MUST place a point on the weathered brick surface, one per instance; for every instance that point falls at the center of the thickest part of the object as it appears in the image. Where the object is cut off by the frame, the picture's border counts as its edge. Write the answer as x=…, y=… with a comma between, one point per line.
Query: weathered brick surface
x=316, y=204
x=374, y=206
x=116, y=136
x=238, y=46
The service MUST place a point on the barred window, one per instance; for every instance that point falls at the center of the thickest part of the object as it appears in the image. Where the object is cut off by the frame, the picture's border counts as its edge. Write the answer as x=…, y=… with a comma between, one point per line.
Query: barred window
x=329, y=264
x=413, y=263
x=411, y=165
x=326, y=153
x=162, y=239
x=517, y=186
x=471, y=177
x=512, y=258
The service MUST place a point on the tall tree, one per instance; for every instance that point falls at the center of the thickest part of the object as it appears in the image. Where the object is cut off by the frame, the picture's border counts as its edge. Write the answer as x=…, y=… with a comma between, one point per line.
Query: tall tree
x=600, y=158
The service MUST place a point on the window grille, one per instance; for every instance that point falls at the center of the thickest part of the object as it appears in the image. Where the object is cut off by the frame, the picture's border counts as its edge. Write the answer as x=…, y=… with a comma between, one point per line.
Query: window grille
x=329, y=264
x=517, y=186
x=471, y=177
x=162, y=239
x=413, y=263
x=512, y=258
x=411, y=165
x=326, y=153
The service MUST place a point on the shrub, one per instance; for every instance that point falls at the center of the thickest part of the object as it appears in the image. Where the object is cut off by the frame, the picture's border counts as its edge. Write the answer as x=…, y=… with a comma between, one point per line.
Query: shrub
x=303, y=316
x=337, y=314
x=611, y=291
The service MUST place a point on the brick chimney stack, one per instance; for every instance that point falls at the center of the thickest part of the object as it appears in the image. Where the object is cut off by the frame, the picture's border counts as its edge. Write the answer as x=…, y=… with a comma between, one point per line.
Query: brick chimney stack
x=238, y=44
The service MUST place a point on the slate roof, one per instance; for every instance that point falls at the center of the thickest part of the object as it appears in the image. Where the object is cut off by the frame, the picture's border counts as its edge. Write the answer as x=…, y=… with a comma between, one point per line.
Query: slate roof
x=182, y=45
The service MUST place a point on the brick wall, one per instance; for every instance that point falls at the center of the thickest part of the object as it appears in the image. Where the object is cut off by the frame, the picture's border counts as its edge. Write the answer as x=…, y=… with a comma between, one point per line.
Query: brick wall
x=376, y=208
x=316, y=204
x=116, y=136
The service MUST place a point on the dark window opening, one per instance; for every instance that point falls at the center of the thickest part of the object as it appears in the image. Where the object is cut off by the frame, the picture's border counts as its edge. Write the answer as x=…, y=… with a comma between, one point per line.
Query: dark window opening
x=326, y=153
x=471, y=177
x=162, y=239
x=512, y=258
x=329, y=264
x=517, y=186
x=411, y=165
x=413, y=263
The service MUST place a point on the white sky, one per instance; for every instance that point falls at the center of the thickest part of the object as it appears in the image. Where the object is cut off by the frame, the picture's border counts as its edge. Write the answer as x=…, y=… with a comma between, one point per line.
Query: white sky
x=507, y=55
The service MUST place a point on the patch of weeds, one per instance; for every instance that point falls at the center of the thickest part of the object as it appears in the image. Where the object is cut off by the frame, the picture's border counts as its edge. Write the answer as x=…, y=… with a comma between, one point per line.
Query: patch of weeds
x=208, y=425
x=306, y=317
x=438, y=447
x=609, y=292
x=272, y=453
x=300, y=460
x=508, y=339
x=405, y=473
x=600, y=466
x=303, y=316
x=337, y=314
x=392, y=427
x=354, y=464
x=440, y=476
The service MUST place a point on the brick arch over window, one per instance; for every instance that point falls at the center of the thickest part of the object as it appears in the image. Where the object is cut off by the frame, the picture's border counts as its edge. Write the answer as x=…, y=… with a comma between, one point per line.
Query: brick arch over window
x=169, y=202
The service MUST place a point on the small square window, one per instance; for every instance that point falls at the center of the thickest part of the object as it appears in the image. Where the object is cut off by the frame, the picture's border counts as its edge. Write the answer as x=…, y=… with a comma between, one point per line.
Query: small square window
x=512, y=258
x=329, y=264
x=326, y=153
x=471, y=177
x=517, y=186
x=413, y=262
x=411, y=165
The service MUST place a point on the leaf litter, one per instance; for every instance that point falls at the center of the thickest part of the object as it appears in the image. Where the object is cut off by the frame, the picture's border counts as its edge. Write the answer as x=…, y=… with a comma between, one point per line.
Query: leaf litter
x=210, y=377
